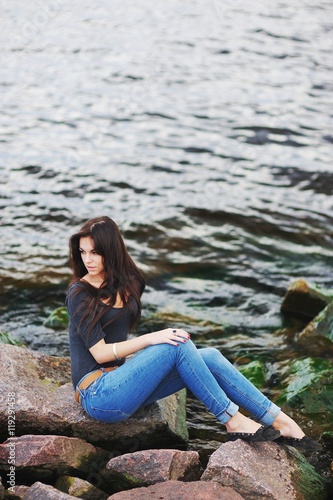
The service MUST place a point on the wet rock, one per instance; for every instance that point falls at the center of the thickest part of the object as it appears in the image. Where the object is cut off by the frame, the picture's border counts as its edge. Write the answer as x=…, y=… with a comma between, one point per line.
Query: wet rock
x=45, y=457
x=144, y=468
x=305, y=299
x=327, y=438
x=264, y=470
x=308, y=386
x=58, y=318
x=318, y=334
x=44, y=404
x=177, y=490
x=255, y=371
x=79, y=488
x=40, y=491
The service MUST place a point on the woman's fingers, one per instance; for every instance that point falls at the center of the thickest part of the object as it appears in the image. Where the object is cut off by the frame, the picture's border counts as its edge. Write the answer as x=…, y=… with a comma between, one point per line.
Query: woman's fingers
x=170, y=336
x=180, y=333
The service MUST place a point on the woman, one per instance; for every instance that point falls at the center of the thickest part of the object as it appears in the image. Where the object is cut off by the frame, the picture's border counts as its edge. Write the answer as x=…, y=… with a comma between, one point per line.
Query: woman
x=103, y=302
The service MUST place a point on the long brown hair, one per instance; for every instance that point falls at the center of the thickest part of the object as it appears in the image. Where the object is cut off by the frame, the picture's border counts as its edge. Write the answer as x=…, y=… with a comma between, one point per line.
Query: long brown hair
x=122, y=276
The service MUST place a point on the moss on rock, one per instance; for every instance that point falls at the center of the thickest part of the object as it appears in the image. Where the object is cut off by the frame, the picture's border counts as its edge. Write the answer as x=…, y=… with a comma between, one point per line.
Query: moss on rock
x=309, y=386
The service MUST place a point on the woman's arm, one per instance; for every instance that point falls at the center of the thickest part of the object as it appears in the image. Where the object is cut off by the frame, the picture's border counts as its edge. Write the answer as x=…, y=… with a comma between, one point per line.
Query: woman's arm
x=103, y=353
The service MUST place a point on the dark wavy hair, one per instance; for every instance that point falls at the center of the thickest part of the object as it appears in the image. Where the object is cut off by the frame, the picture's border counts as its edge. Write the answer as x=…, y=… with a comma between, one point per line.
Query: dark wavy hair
x=122, y=276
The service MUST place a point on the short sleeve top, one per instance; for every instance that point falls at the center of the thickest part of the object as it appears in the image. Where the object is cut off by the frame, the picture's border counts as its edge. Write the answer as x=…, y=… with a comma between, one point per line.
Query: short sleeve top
x=82, y=361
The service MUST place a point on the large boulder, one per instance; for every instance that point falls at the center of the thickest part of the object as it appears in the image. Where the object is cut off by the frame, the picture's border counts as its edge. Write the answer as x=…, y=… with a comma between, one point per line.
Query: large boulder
x=264, y=470
x=37, y=387
x=177, y=490
x=305, y=300
x=144, y=468
x=46, y=457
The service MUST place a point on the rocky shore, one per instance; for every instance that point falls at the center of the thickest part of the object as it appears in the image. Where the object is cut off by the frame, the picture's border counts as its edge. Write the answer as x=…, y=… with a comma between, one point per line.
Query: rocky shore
x=52, y=450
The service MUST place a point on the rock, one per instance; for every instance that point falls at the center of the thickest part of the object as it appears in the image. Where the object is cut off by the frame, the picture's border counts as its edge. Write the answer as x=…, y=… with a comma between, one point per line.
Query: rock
x=308, y=386
x=6, y=338
x=44, y=404
x=177, y=490
x=255, y=371
x=79, y=488
x=16, y=492
x=58, y=318
x=327, y=438
x=2, y=489
x=46, y=457
x=305, y=299
x=264, y=470
x=40, y=491
x=318, y=334
x=144, y=468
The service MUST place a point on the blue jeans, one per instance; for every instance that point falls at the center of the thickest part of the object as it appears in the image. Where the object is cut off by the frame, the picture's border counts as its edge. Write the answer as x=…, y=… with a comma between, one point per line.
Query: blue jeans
x=160, y=370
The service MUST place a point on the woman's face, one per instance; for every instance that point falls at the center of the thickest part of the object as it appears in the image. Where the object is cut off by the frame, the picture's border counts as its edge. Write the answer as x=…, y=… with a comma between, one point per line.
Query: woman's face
x=92, y=260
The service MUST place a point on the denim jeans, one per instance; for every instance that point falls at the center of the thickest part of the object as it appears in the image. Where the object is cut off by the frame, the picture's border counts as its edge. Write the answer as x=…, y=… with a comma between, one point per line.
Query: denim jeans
x=160, y=370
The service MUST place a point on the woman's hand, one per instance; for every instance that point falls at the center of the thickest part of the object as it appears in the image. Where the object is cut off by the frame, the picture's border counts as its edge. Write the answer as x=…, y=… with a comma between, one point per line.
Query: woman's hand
x=171, y=336
x=103, y=353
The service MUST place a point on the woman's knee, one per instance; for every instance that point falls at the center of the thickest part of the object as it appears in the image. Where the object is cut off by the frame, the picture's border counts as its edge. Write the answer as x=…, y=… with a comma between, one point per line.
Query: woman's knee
x=211, y=355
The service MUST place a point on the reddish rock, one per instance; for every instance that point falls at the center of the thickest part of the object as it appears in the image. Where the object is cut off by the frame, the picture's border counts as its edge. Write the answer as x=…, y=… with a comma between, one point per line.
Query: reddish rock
x=148, y=467
x=16, y=492
x=43, y=400
x=177, y=490
x=40, y=491
x=44, y=456
x=264, y=470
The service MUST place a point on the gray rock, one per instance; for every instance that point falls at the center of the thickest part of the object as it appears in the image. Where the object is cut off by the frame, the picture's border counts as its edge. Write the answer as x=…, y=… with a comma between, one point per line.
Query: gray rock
x=44, y=404
x=264, y=470
x=144, y=468
x=177, y=490
x=79, y=488
x=44, y=457
x=40, y=491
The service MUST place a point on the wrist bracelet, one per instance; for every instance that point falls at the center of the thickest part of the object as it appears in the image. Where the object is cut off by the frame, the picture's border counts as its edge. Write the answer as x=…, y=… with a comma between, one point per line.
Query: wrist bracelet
x=115, y=352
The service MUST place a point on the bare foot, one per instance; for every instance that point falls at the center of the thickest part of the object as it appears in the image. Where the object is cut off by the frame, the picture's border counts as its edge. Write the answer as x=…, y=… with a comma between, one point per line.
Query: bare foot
x=240, y=423
x=287, y=426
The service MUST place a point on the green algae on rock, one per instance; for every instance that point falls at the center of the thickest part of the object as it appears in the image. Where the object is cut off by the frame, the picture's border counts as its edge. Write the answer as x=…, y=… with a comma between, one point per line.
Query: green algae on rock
x=58, y=318
x=321, y=326
x=308, y=386
x=255, y=371
x=6, y=338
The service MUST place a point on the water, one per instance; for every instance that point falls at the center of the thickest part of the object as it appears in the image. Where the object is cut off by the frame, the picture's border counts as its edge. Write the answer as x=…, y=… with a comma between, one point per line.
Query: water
x=204, y=129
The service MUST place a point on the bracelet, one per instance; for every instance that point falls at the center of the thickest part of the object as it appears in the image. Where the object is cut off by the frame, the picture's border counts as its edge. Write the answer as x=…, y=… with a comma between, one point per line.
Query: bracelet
x=115, y=352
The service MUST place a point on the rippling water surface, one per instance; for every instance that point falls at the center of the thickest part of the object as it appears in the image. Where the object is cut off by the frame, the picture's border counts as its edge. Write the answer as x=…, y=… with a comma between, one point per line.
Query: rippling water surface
x=203, y=128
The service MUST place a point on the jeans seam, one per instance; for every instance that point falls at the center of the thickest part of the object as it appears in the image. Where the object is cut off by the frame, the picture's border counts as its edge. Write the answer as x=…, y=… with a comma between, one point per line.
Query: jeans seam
x=212, y=396
x=244, y=394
